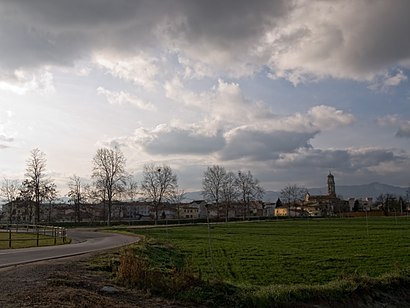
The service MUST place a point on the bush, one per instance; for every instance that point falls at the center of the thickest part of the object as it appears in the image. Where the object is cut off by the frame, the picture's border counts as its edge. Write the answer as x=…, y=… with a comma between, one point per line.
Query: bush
x=137, y=270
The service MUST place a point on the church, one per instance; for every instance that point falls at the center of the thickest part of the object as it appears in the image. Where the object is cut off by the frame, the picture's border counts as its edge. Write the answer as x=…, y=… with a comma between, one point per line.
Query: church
x=325, y=205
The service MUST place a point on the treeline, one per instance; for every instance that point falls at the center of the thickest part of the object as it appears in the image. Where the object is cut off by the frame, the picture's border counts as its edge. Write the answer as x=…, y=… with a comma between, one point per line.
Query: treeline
x=110, y=182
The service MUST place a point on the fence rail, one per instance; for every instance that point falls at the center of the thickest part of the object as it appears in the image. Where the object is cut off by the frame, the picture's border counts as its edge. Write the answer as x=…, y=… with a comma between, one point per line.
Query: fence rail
x=41, y=233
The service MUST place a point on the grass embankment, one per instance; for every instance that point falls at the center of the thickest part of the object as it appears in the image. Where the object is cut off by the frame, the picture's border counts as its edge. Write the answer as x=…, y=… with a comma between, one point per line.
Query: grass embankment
x=267, y=263
x=25, y=240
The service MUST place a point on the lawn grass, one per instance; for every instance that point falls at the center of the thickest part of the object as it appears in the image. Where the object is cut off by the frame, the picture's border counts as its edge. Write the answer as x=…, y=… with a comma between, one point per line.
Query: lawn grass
x=25, y=240
x=314, y=251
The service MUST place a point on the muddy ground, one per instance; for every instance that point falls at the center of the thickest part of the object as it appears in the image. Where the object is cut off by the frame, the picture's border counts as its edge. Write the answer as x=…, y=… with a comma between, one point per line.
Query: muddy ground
x=68, y=283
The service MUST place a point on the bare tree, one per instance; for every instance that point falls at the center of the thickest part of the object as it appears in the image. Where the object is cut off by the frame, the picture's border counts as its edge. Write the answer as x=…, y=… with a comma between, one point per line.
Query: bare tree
x=9, y=191
x=212, y=184
x=159, y=183
x=230, y=192
x=176, y=198
x=292, y=193
x=109, y=175
x=50, y=195
x=132, y=189
x=77, y=195
x=91, y=197
x=249, y=190
x=37, y=186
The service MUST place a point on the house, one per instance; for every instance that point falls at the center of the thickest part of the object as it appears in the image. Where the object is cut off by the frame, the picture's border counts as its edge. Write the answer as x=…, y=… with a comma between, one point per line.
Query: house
x=202, y=207
x=188, y=211
x=281, y=211
x=135, y=210
x=167, y=211
x=269, y=209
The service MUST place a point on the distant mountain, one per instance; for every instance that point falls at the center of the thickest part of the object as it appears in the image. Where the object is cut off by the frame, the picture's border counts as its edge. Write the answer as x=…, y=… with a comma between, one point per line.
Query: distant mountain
x=372, y=190
x=193, y=195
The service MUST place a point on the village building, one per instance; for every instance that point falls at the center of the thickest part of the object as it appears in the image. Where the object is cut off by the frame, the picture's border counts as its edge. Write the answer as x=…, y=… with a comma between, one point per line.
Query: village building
x=325, y=205
x=362, y=204
x=188, y=211
x=316, y=205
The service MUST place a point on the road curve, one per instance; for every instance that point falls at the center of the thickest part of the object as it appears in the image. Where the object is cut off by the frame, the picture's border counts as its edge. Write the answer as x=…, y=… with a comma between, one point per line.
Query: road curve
x=82, y=242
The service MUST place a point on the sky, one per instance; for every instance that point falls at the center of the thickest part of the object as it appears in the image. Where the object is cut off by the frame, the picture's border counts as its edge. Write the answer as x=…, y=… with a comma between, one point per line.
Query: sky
x=289, y=90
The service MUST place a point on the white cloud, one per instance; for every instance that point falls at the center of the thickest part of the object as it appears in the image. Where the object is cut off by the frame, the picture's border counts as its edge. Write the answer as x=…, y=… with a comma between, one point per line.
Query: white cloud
x=327, y=117
x=7, y=136
x=317, y=40
x=121, y=98
x=141, y=69
x=20, y=82
x=251, y=130
x=385, y=82
x=257, y=137
x=388, y=120
x=223, y=106
x=395, y=80
x=402, y=126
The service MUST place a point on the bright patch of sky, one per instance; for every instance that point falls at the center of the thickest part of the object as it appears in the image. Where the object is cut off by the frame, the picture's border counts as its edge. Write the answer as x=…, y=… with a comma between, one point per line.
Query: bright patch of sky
x=285, y=89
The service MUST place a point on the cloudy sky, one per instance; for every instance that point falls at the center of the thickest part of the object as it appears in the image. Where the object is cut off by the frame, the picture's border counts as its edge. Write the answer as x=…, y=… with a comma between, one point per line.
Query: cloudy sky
x=286, y=89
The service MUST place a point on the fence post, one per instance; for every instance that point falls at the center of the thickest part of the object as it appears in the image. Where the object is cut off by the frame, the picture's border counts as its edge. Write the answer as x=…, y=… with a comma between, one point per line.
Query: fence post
x=9, y=236
x=55, y=236
x=38, y=235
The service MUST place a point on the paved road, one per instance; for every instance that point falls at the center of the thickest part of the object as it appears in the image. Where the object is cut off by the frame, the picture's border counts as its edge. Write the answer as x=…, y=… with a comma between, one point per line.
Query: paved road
x=82, y=242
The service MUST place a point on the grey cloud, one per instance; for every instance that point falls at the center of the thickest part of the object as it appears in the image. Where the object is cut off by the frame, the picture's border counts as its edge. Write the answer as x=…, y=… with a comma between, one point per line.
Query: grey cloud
x=382, y=40
x=49, y=32
x=258, y=145
x=226, y=23
x=347, y=160
x=322, y=159
x=181, y=141
x=372, y=157
x=4, y=138
x=404, y=131
x=310, y=167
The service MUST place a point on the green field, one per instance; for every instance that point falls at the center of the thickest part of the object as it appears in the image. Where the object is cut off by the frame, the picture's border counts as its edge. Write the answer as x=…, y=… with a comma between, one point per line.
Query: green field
x=293, y=251
x=24, y=240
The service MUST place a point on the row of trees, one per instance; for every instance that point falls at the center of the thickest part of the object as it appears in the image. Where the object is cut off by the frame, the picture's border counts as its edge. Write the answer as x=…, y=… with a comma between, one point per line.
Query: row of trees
x=110, y=181
x=226, y=187
x=390, y=203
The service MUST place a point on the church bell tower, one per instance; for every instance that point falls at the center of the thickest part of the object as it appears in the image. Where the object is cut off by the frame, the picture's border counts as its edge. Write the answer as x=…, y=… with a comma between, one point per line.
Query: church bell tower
x=331, y=187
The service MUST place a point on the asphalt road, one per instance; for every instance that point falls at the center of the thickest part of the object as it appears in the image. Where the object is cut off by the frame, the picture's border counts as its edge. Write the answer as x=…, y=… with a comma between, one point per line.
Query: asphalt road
x=82, y=242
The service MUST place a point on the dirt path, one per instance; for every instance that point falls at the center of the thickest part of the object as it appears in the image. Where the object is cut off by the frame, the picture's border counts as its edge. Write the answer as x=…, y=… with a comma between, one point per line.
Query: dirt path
x=68, y=283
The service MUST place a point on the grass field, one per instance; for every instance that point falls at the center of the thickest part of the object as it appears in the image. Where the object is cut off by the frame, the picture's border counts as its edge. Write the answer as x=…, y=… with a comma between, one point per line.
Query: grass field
x=24, y=240
x=293, y=251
